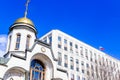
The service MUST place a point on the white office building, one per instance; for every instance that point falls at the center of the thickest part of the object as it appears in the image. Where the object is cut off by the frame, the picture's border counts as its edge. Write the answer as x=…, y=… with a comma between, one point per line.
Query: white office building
x=80, y=61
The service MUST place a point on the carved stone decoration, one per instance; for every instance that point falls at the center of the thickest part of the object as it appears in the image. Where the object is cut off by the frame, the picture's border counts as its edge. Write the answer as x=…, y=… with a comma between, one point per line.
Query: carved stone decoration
x=14, y=75
x=43, y=49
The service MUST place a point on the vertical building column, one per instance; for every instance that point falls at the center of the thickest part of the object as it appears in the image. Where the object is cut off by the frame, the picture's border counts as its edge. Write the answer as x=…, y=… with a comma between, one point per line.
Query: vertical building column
x=27, y=76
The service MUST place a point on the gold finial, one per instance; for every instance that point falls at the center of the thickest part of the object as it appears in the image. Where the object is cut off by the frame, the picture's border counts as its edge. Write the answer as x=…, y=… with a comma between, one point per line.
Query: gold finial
x=26, y=10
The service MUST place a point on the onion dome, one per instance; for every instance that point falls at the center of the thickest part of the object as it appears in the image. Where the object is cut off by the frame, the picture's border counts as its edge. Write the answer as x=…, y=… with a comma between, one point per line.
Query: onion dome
x=25, y=23
x=24, y=20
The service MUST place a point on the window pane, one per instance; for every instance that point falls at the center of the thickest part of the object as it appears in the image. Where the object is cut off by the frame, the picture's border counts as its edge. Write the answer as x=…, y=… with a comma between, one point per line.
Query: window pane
x=27, y=41
x=36, y=70
x=17, y=41
x=59, y=58
x=59, y=38
x=65, y=61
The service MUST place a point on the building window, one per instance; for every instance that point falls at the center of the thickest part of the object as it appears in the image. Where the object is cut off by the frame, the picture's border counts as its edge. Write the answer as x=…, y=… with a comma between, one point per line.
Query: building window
x=37, y=70
x=72, y=76
x=65, y=61
x=82, y=63
x=28, y=41
x=50, y=39
x=83, y=78
x=71, y=63
x=88, y=73
x=99, y=58
x=45, y=40
x=59, y=45
x=71, y=44
x=86, y=53
x=93, y=75
x=87, y=65
x=65, y=44
x=71, y=47
x=65, y=48
x=78, y=77
x=59, y=58
x=65, y=41
x=95, y=61
x=92, y=67
x=91, y=53
x=83, y=71
x=76, y=47
x=17, y=46
x=91, y=59
x=77, y=65
x=59, y=38
x=81, y=51
x=59, y=42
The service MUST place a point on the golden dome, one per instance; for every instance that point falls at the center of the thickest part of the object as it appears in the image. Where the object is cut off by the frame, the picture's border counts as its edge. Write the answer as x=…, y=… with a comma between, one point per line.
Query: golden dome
x=24, y=20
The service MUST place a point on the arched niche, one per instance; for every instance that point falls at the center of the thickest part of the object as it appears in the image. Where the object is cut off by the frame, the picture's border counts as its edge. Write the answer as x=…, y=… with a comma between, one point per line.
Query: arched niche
x=15, y=73
x=46, y=65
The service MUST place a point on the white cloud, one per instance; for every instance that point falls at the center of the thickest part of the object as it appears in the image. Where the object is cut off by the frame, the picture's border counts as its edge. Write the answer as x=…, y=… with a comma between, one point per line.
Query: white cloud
x=3, y=43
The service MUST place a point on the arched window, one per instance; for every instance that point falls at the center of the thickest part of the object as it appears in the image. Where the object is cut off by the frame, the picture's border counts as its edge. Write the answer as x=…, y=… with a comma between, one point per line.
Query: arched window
x=28, y=41
x=18, y=41
x=37, y=70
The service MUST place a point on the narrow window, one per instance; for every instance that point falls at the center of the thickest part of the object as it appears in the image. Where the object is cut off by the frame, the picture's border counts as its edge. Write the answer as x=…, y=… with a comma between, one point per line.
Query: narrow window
x=76, y=47
x=28, y=41
x=59, y=42
x=78, y=77
x=83, y=71
x=71, y=44
x=88, y=73
x=71, y=47
x=65, y=61
x=65, y=44
x=83, y=78
x=50, y=39
x=45, y=40
x=81, y=51
x=87, y=65
x=72, y=76
x=86, y=53
x=59, y=58
x=65, y=41
x=82, y=63
x=77, y=65
x=59, y=38
x=71, y=63
x=17, y=46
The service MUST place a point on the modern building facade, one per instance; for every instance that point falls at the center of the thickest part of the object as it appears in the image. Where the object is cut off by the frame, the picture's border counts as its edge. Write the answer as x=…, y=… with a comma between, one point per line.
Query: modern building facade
x=80, y=61
x=55, y=56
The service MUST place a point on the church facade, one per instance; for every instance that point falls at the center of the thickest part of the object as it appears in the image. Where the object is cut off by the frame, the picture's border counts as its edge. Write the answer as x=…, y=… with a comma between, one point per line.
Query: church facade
x=27, y=58
x=55, y=56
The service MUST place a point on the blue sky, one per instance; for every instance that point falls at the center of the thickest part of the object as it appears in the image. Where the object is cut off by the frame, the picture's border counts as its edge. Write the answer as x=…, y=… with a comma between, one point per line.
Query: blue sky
x=95, y=22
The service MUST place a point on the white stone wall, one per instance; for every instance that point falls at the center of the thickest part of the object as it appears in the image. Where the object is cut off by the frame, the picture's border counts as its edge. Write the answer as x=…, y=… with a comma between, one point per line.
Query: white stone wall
x=95, y=56
x=23, y=32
